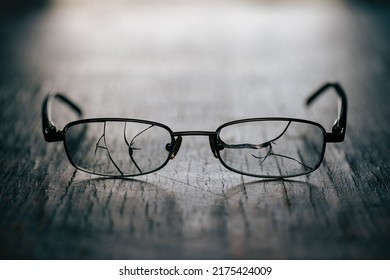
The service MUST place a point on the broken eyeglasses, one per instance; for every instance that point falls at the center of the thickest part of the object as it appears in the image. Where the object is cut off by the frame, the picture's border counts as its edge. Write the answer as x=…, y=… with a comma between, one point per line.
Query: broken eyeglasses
x=259, y=147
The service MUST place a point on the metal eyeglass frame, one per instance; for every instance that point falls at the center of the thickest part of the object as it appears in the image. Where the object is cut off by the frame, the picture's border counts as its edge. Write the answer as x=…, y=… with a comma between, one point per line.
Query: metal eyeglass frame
x=52, y=134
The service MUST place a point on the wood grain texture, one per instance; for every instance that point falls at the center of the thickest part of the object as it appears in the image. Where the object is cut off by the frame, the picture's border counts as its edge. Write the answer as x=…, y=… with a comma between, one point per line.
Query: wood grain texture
x=194, y=67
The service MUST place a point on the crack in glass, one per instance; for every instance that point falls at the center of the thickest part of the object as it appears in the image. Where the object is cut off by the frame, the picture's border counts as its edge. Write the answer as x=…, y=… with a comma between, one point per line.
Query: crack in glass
x=130, y=145
x=105, y=147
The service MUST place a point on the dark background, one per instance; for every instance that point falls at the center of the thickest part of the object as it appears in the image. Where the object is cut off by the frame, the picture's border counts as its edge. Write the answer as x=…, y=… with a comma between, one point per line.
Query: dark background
x=193, y=66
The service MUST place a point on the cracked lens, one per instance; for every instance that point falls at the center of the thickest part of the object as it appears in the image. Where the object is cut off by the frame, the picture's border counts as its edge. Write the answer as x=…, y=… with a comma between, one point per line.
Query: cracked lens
x=117, y=148
x=270, y=152
x=286, y=147
x=130, y=148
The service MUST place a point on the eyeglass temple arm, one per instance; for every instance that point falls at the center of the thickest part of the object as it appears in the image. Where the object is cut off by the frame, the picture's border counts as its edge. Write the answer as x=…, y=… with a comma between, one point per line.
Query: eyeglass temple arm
x=50, y=131
x=340, y=125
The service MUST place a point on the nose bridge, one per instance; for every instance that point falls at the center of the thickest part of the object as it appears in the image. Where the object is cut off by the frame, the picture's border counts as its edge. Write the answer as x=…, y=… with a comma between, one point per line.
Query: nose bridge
x=213, y=144
x=175, y=148
x=211, y=134
x=194, y=133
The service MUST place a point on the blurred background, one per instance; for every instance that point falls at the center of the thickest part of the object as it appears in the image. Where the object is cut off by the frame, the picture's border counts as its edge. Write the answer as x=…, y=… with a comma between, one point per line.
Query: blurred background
x=187, y=48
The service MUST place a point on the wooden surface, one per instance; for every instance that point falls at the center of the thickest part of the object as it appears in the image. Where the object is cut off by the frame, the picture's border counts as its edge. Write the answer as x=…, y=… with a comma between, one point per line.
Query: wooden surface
x=194, y=67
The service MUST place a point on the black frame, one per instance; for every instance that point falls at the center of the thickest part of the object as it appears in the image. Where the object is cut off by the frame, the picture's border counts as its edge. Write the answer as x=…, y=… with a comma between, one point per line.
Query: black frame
x=52, y=134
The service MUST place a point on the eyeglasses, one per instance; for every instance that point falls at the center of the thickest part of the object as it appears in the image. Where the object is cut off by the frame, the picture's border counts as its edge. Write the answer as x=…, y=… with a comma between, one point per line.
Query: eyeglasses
x=259, y=147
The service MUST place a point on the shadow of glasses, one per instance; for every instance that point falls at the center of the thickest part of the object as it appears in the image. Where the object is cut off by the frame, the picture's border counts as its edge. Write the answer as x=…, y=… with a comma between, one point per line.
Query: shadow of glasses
x=267, y=185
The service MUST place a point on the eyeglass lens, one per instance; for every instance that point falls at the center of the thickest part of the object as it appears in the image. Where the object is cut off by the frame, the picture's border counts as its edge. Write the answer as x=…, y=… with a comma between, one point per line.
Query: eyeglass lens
x=117, y=148
x=272, y=148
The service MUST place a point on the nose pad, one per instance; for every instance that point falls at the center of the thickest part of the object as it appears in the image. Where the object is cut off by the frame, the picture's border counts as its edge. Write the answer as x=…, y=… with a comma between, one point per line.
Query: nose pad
x=176, y=146
x=213, y=145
